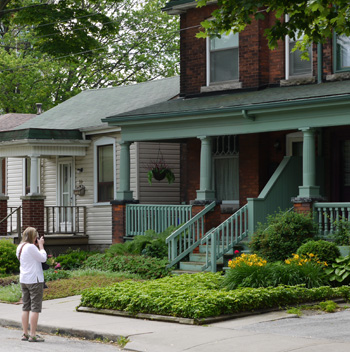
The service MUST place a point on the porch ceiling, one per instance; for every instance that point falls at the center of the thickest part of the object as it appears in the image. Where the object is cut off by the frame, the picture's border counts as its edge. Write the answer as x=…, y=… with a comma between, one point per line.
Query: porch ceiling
x=271, y=109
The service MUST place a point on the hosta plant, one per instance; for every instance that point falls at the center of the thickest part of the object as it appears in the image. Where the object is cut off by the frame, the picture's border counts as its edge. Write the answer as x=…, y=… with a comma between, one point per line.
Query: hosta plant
x=340, y=270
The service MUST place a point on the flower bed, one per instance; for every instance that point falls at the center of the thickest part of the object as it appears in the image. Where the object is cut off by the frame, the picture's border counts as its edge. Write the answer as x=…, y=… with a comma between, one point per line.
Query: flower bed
x=199, y=296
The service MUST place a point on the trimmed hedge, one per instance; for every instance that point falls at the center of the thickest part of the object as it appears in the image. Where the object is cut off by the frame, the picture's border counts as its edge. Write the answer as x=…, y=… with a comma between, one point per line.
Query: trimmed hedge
x=8, y=260
x=325, y=251
x=199, y=296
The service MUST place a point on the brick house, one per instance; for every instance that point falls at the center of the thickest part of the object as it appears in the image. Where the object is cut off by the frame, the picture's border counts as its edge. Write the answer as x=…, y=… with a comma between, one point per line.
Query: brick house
x=259, y=130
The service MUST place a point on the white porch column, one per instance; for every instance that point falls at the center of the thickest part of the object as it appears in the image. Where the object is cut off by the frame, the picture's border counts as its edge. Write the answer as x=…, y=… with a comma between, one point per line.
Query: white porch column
x=34, y=175
x=205, y=192
x=124, y=192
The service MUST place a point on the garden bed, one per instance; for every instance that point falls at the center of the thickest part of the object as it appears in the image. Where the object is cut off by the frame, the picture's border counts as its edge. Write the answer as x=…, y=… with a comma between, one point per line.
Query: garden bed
x=200, y=296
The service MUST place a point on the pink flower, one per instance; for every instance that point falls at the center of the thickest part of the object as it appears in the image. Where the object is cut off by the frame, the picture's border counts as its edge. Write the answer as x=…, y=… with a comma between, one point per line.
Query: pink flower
x=49, y=256
x=236, y=251
x=58, y=266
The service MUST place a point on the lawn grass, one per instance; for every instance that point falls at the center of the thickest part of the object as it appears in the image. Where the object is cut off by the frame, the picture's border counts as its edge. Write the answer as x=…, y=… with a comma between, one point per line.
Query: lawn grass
x=78, y=281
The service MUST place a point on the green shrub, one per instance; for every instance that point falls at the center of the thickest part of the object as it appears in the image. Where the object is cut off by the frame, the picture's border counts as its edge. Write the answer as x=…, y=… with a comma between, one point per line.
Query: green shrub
x=282, y=235
x=342, y=234
x=325, y=251
x=73, y=259
x=52, y=275
x=8, y=260
x=151, y=244
x=199, y=296
x=146, y=267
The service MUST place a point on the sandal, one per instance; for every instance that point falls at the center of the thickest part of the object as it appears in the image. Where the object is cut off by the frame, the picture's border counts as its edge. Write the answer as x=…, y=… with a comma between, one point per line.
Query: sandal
x=36, y=338
x=25, y=337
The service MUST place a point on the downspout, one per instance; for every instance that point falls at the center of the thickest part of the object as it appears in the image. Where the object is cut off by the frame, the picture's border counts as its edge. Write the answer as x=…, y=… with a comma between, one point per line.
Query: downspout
x=319, y=63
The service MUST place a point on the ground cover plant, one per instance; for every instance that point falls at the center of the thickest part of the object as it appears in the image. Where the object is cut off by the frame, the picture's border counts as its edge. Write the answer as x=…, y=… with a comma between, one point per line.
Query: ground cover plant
x=199, y=296
x=282, y=235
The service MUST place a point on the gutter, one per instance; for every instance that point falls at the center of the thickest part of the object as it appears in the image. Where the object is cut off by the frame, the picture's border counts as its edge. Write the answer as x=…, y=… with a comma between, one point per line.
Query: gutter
x=241, y=109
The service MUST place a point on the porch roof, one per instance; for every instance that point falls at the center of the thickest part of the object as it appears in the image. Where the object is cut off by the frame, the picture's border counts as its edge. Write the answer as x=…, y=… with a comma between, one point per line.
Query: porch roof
x=42, y=142
x=270, y=109
x=173, y=5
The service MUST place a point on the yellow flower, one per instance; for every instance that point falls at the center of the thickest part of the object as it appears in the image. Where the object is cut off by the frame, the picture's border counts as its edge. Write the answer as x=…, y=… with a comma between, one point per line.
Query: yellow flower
x=287, y=261
x=311, y=255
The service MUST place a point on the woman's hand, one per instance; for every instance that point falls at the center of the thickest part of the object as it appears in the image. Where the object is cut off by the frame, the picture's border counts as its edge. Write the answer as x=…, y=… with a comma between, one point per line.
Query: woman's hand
x=41, y=242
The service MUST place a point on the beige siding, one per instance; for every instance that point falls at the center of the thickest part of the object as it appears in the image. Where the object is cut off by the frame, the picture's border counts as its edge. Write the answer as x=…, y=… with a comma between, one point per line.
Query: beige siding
x=160, y=192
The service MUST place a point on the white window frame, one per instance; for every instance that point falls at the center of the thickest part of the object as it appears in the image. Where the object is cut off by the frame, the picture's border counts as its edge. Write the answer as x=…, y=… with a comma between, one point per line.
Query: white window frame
x=98, y=143
x=208, y=65
x=337, y=69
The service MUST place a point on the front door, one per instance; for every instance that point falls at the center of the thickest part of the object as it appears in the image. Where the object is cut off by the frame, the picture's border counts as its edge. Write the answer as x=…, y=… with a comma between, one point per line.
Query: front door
x=65, y=196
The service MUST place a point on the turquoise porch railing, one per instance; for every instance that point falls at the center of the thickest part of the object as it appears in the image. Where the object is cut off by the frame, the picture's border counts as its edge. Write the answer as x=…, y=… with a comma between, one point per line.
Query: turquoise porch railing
x=327, y=213
x=186, y=238
x=222, y=239
x=282, y=186
x=142, y=217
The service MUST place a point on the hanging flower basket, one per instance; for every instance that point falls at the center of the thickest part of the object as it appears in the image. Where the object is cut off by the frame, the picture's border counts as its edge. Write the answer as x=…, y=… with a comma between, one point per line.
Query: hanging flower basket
x=159, y=170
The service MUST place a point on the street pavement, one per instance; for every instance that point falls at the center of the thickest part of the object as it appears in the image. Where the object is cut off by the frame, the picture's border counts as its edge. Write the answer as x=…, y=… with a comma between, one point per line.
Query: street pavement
x=269, y=332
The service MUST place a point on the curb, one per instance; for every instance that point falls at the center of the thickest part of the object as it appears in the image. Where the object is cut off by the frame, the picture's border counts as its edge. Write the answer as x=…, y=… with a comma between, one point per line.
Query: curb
x=179, y=320
x=85, y=334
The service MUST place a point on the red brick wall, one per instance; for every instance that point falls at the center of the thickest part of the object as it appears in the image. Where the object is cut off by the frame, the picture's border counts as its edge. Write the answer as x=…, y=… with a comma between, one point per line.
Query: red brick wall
x=3, y=214
x=258, y=65
x=33, y=214
x=118, y=223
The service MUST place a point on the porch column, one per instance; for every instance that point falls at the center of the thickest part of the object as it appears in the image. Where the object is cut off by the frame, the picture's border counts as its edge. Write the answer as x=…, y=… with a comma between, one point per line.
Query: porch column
x=309, y=188
x=124, y=192
x=34, y=177
x=205, y=192
x=3, y=203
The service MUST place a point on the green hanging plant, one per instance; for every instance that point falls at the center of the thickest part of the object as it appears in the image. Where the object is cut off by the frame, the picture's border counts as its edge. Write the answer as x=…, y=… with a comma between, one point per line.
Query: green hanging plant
x=159, y=170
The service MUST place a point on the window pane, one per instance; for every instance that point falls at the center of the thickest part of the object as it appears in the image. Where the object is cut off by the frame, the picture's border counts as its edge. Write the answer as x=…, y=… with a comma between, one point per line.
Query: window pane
x=343, y=51
x=105, y=173
x=297, y=66
x=226, y=41
x=224, y=65
x=27, y=175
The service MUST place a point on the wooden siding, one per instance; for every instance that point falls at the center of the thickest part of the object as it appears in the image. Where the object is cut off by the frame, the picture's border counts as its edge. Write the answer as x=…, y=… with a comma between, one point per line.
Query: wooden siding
x=160, y=192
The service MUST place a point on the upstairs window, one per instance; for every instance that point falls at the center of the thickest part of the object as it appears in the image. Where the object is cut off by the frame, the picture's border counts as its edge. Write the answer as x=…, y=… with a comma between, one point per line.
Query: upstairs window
x=222, y=58
x=297, y=66
x=342, y=53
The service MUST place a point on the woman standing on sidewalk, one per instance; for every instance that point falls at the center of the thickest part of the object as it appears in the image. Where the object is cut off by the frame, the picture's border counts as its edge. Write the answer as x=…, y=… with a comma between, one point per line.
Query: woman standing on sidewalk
x=32, y=280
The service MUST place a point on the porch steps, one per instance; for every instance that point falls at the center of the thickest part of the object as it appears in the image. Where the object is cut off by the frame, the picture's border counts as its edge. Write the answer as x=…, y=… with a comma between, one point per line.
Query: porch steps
x=196, y=260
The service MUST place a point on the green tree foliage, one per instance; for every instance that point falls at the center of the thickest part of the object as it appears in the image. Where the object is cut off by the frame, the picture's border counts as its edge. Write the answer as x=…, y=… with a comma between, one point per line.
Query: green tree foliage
x=50, y=52
x=317, y=19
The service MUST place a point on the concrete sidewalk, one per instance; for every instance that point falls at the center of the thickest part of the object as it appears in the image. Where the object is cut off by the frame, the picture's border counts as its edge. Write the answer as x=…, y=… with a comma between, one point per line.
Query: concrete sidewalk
x=270, y=332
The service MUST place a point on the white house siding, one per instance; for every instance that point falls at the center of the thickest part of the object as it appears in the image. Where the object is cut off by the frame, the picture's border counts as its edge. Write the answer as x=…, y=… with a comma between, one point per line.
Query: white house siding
x=14, y=187
x=160, y=192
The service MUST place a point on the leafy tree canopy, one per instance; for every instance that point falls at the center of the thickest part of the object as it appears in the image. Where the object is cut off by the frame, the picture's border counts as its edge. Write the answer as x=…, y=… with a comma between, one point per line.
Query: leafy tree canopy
x=52, y=50
x=317, y=19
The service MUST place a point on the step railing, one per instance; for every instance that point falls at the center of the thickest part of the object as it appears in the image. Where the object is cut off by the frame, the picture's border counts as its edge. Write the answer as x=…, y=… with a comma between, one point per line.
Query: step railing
x=223, y=238
x=186, y=238
x=143, y=217
x=277, y=193
x=65, y=220
x=327, y=213
x=13, y=219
